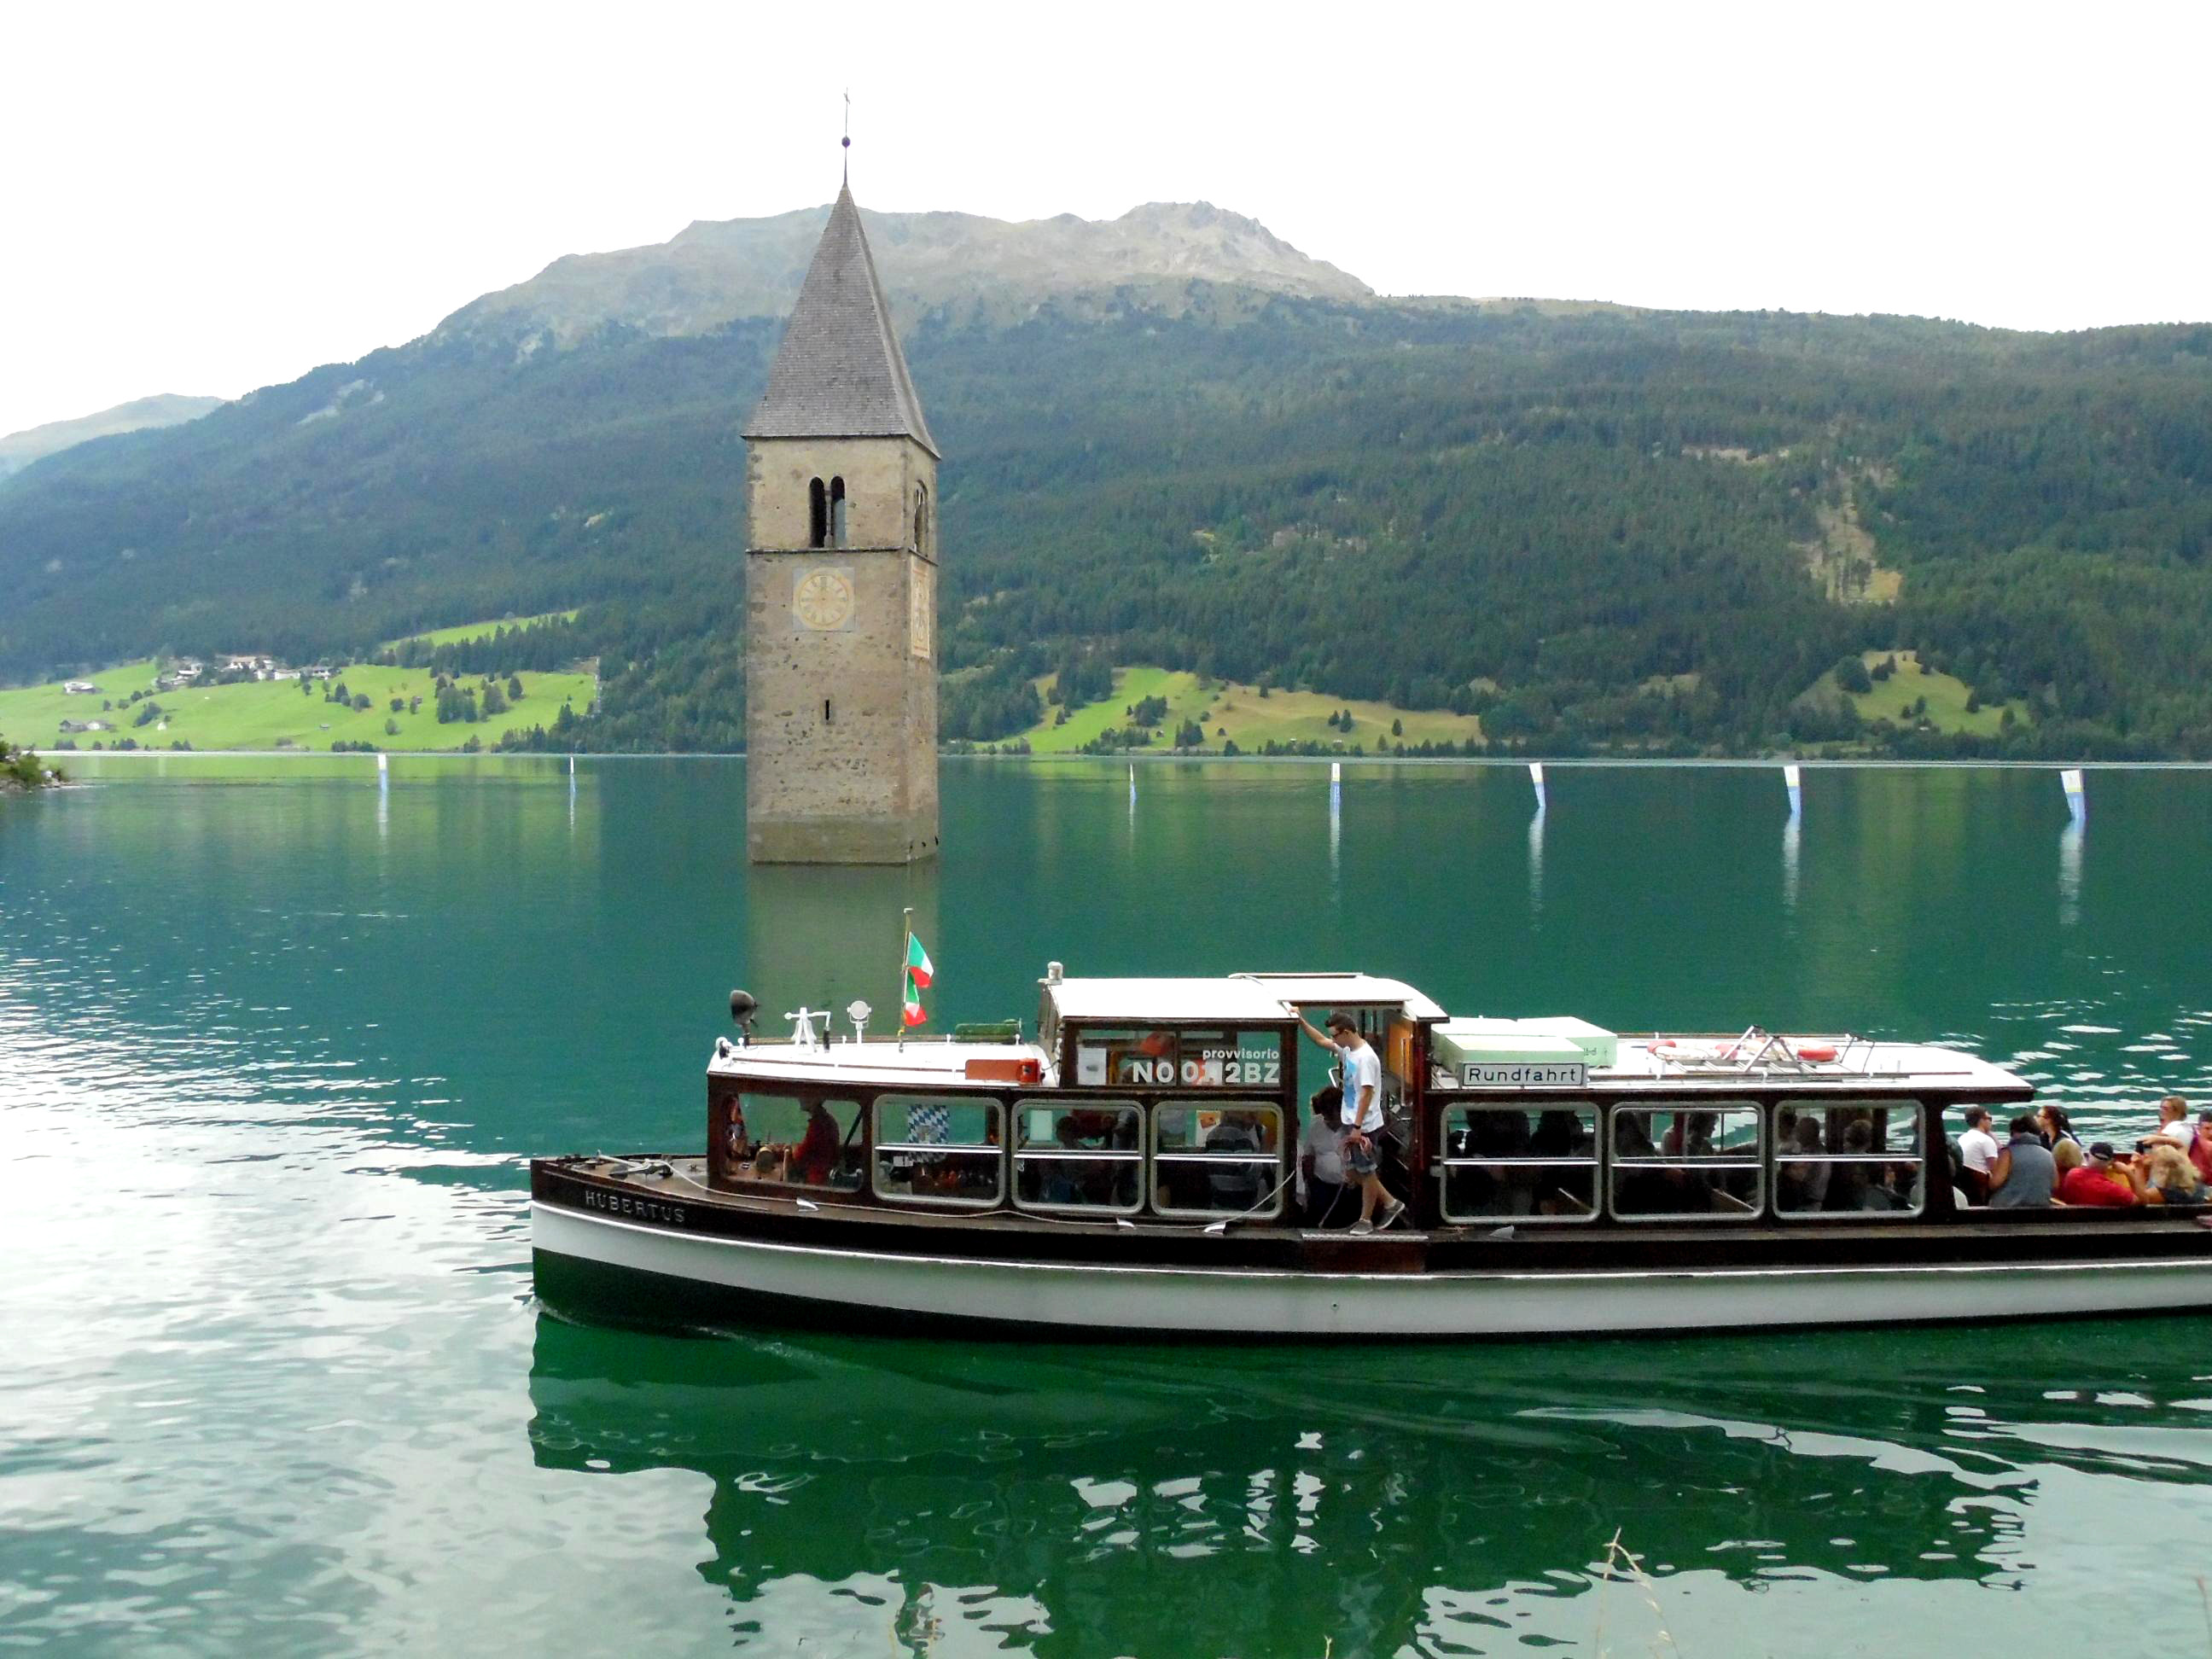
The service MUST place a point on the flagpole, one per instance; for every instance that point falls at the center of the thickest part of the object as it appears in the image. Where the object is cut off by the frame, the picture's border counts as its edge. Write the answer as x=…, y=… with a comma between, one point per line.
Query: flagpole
x=906, y=944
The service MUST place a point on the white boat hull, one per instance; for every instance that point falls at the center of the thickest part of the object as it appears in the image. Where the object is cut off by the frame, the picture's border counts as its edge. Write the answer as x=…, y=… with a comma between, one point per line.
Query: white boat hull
x=1087, y=1299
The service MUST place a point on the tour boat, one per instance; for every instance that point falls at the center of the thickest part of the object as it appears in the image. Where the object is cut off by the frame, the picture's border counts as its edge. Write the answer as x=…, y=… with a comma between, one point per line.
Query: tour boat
x=1131, y=1170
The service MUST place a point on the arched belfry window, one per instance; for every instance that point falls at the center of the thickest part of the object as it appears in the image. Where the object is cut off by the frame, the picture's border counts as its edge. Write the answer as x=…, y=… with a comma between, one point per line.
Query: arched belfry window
x=837, y=525
x=817, y=515
x=921, y=518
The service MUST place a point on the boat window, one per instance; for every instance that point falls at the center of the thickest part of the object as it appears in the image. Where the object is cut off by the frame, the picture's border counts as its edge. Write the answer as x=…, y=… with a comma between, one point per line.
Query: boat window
x=1165, y=1058
x=1220, y=1159
x=1519, y=1163
x=1078, y=1157
x=1855, y=1158
x=800, y=1143
x=936, y=1150
x=1686, y=1160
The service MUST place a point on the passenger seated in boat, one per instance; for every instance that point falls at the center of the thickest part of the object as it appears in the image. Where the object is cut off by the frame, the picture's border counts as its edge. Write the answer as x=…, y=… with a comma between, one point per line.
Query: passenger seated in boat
x=2094, y=1178
x=1235, y=1185
x=2164, y=1174
x=1321, y=1158
x=736, y=1139
x=2025, y=1171
x=2056, y=1127
x=1804, y=1186
x=2200, y=1147
x=2173, y=1127
x=1978, y=1155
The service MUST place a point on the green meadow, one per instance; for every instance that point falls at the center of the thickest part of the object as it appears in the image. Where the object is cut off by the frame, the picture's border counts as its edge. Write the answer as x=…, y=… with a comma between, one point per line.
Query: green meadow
x=276, y=714
x=1238, y=714
x=1897, y=699
x=481, y=631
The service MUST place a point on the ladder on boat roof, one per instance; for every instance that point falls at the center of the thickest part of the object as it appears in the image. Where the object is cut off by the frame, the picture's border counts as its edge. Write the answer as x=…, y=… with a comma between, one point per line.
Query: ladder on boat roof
x=1764, y=1053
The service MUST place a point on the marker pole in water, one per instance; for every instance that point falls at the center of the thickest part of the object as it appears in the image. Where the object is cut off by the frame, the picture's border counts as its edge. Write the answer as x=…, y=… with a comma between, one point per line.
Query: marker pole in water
x=2077, y=799
x=1537, y=777
x=1793, y=782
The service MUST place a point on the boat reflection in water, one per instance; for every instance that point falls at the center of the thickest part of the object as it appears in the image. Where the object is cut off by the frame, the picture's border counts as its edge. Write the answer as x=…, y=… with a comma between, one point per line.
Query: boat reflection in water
x=888, y=1494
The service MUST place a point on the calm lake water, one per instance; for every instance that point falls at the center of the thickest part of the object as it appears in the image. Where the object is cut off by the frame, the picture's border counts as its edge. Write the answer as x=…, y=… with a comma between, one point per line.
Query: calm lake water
x=275, y=1045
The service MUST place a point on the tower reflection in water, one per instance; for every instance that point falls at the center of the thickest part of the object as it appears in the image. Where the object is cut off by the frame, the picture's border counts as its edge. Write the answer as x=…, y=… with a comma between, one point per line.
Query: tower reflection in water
x=1248, y=1500
x=827, y=935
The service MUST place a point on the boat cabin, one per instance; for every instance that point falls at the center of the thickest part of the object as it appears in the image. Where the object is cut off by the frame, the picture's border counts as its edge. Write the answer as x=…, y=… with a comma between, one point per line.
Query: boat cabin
x=1181, y=1102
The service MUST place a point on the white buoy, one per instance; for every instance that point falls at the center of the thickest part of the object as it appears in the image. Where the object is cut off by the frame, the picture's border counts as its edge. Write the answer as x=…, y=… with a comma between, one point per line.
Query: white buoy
x=572, y=766
x=383, y=762
x=1132, y=783
x=1793, y=782
x=1335, y=772
x=1537, y=777
x=2078, y=799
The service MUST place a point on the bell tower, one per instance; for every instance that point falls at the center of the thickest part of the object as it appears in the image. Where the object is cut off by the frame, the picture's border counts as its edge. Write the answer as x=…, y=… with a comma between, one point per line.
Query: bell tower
x=841, y=581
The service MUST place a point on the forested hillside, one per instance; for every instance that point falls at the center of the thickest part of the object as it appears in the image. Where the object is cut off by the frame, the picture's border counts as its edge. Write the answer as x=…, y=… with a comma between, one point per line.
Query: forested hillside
x=1603, y=527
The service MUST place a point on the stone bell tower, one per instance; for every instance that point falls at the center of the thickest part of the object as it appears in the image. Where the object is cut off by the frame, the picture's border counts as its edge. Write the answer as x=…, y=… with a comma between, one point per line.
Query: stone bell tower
x=840, y=582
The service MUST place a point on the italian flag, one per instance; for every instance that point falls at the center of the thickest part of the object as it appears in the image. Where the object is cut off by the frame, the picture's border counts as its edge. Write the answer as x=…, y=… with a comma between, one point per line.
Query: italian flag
x=918, y=972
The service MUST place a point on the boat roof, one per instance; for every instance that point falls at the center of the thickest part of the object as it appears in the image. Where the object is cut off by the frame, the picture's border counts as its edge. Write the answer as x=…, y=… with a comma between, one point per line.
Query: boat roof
x=1353, y=990
x=1235, y=999
x=879, y=1062
x=1659, y=1065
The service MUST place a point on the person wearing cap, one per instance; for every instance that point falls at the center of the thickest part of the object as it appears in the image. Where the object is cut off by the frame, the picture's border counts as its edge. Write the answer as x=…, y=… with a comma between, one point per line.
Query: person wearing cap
x=1363, y=1116
x=2097, y=1181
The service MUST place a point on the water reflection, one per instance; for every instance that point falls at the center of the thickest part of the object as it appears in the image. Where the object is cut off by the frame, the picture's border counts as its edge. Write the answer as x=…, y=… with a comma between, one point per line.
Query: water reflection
x=826, y=936
x=2069, y=873
x=1459, y=1500
x=1536, y=858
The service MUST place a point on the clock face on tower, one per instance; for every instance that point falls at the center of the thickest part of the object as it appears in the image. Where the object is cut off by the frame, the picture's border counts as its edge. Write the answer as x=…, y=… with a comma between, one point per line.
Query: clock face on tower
x=822, y=599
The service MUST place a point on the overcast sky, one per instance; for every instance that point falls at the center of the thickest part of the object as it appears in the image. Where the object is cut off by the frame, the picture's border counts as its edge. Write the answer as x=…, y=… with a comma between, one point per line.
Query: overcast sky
x=208, y=197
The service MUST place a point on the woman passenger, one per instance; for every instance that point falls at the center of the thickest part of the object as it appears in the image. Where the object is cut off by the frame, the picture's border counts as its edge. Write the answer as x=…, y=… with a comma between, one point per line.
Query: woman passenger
x=2165, y=1175
x=2056, y=1127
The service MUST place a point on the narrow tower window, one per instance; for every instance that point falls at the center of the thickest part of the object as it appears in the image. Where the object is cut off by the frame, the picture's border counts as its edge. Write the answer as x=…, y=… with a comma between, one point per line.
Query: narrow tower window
x=837, y=528
x=825, y=711
x=817, y=502
x=920, y=520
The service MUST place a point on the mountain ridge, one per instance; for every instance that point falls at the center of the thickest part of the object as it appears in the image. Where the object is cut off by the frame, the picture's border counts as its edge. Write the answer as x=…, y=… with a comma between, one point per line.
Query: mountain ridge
x=713, y=272
x=19, y=449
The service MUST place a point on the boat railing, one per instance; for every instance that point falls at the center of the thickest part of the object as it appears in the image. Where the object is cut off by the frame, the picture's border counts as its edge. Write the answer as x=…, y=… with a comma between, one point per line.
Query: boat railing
x=1760, y=1053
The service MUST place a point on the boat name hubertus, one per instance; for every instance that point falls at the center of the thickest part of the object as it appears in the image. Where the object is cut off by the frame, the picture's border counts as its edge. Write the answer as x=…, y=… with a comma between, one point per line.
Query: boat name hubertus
x=644, y=1209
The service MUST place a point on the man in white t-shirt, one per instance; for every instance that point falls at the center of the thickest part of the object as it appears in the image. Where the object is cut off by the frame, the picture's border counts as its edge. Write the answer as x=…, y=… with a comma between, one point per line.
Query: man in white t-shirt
x=1363, y=1116
x=1977, y=1152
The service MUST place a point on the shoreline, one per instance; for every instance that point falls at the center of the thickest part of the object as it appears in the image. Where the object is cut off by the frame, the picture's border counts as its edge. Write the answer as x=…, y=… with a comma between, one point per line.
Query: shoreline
x=1761, y=763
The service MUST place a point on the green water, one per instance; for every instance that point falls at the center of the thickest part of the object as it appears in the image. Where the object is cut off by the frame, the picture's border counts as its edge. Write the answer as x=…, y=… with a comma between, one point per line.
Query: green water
x=275, y=1045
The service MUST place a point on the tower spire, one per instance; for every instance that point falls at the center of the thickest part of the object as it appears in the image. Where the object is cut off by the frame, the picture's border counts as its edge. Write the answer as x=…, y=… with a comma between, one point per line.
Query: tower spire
x=846, y=142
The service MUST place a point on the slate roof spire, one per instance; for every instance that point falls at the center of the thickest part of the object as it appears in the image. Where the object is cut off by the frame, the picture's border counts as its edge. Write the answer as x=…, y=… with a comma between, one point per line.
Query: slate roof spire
x=839, y=372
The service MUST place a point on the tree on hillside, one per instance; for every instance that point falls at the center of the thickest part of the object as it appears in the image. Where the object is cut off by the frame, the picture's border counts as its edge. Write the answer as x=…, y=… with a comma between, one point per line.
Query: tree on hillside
x=1851, y=675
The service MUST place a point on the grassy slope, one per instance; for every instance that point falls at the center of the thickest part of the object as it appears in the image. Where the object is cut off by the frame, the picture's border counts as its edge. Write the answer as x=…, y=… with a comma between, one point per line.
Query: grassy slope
x=1947, y=698
x=1247, y=718
x=261, y=714
x=482, y=629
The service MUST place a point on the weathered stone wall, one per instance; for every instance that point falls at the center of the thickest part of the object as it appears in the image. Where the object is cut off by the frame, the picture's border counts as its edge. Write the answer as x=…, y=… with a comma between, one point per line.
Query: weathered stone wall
x=841, y=725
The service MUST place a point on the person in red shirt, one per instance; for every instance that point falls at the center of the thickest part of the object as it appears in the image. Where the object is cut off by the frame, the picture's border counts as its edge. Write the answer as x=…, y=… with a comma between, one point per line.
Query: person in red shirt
x=2095, y=1181
x=815, y=1155
x=2200, y=1149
